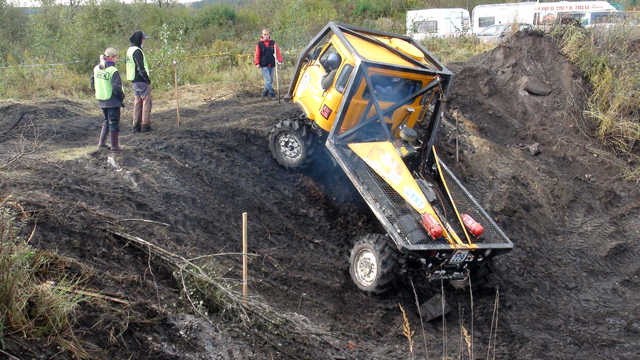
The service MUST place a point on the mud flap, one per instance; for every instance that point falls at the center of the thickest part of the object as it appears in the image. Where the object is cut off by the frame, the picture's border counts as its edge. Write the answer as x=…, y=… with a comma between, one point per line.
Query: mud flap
x=433, y=308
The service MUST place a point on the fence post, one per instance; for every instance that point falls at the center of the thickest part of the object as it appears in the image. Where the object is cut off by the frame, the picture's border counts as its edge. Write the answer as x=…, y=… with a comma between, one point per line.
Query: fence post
x=244, y=255
x=175, y=79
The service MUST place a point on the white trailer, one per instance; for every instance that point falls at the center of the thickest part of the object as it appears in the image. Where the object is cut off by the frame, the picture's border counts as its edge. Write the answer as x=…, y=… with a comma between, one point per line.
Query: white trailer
x=539, y=14
x=491, y=14
x=437, y=22
x=589, y=13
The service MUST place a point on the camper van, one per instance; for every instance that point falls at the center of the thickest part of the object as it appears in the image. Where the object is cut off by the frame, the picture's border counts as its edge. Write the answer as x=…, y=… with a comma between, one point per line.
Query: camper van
x=437, y=22
x=542, y=14
x=588, y=13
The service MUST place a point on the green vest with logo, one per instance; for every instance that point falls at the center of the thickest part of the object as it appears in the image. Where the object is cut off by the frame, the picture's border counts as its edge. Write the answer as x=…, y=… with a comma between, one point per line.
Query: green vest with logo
x=131, y=64
x=102, y=82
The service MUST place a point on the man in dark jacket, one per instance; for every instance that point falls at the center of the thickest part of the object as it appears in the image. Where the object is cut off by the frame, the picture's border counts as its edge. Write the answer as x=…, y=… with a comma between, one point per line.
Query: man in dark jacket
x=138, y=74
x=265, y=61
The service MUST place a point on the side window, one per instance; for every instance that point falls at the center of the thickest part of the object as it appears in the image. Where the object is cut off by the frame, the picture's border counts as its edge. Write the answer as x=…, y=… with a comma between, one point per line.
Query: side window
x=486, y=21
x=330, y=50
x=341, y=83
x=425, y=26
x=391, y=89
x=312, y=55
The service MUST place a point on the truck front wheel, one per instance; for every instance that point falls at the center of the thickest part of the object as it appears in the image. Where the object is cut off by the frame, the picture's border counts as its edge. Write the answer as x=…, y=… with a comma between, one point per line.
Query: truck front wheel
x=291, y=143
x=373, y=264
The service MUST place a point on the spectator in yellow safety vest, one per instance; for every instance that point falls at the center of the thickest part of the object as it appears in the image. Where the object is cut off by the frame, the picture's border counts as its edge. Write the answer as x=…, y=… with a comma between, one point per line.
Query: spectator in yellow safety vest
x=105, y=80
x=138, y=74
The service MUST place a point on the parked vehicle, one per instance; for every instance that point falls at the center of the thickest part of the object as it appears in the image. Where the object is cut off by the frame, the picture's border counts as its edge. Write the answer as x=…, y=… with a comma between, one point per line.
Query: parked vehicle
x=438, y=22
x=542, y=14
x=497, y=34
x=597, y=18
x=374, y=101
x=484, y=16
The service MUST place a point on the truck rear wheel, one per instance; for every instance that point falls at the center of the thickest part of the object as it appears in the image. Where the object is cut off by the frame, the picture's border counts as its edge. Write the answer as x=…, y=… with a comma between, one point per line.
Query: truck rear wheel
x=291, y=143
x=373, y=264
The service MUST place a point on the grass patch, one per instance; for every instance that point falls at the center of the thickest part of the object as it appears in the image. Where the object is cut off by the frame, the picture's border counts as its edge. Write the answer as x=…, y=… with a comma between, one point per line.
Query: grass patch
x=609, y=59
x=35, y=80
x=35, y=301
x=73, y=153
x=455, y=49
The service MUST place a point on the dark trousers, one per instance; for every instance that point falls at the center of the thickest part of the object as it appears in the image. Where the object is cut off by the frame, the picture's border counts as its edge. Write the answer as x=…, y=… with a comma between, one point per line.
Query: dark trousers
x=112, y=119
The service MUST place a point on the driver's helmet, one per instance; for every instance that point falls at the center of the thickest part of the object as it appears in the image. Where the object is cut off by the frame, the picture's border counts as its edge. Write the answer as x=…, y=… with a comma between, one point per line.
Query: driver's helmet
x=331, y=62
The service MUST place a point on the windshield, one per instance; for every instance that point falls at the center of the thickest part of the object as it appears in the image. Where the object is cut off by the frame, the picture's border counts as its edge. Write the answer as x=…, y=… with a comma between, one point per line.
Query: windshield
x=492, y=30
x=398, y=99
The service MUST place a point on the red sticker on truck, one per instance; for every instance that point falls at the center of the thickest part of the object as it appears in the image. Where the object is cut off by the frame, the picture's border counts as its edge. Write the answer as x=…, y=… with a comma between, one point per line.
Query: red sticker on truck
x=325, y=112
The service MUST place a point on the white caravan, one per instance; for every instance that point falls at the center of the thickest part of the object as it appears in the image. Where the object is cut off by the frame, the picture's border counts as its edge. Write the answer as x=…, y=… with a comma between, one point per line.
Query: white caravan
x=589, y=13
x=540, y=14
x=437, y=22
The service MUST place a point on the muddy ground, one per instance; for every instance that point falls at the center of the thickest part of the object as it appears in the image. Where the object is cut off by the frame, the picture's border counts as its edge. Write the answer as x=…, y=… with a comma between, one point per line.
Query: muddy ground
x=568, y=290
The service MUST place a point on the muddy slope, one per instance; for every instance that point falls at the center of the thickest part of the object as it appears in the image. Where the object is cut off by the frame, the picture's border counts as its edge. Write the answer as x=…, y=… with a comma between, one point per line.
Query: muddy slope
x=569, y=289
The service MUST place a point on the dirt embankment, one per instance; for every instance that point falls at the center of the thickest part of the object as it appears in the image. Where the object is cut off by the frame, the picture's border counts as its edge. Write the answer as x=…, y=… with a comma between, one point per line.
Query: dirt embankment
x=569, y=289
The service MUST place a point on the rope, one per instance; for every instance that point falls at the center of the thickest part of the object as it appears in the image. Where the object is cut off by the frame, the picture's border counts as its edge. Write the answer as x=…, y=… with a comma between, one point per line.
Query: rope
x=38, y=65
x=181, y=57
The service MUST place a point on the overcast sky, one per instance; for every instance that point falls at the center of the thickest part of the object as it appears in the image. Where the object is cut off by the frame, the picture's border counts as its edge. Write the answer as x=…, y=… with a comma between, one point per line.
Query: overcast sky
x=29, y=3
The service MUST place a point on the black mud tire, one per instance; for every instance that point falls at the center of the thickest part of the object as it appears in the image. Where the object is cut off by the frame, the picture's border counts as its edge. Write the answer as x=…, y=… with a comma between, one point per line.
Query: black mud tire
x=373, y=264
x=292, y=143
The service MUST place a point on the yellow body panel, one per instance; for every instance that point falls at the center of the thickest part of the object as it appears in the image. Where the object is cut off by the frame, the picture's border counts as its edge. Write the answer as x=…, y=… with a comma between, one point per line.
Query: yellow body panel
x=309, y=93
x=377, y=53
x=384, y=160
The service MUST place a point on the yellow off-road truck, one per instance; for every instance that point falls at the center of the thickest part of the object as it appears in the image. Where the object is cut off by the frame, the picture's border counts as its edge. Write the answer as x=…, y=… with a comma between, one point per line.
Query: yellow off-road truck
x=375, y=101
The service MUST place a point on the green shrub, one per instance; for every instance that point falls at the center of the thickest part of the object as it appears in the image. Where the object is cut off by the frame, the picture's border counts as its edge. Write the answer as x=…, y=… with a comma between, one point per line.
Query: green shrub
x=216, y=14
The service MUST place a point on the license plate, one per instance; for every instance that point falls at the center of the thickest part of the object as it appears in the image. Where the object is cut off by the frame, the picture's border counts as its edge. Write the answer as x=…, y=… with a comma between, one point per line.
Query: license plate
x=458, y=257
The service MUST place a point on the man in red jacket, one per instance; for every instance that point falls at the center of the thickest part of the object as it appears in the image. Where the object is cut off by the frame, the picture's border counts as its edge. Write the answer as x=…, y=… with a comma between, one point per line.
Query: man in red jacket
x=265, y=61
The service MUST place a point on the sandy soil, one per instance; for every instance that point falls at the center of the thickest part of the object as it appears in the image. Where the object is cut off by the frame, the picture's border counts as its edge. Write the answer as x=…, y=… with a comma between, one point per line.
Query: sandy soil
x=568, y=290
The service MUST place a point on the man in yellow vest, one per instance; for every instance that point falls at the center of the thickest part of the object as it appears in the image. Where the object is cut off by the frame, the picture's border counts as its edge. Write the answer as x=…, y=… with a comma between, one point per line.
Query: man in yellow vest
x=105, y=80
x=138, y=74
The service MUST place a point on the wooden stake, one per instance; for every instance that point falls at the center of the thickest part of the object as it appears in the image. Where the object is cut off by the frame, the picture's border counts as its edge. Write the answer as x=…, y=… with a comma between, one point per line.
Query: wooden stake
x=175, y=79
x=277, y=82
x=244, y=254
x=457, y=139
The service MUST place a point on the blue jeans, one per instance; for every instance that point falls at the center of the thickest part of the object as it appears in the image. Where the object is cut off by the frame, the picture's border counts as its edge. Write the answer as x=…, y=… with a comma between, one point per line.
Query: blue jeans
x=267, y=74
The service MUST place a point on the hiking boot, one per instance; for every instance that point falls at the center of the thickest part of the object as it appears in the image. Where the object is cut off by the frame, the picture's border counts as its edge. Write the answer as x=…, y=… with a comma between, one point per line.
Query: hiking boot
x=136, y=127
x=265, y=94
x=114, y=142
x=146, y=128
x=272, y=96
x=103, y=137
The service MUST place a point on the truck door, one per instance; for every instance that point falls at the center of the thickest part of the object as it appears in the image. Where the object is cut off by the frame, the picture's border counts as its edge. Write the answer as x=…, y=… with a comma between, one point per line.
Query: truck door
x=334, y=86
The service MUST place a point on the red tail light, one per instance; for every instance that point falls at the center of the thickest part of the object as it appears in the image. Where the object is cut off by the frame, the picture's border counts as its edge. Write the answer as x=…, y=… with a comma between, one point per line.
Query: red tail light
x=432, y=225
x=472, y=225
